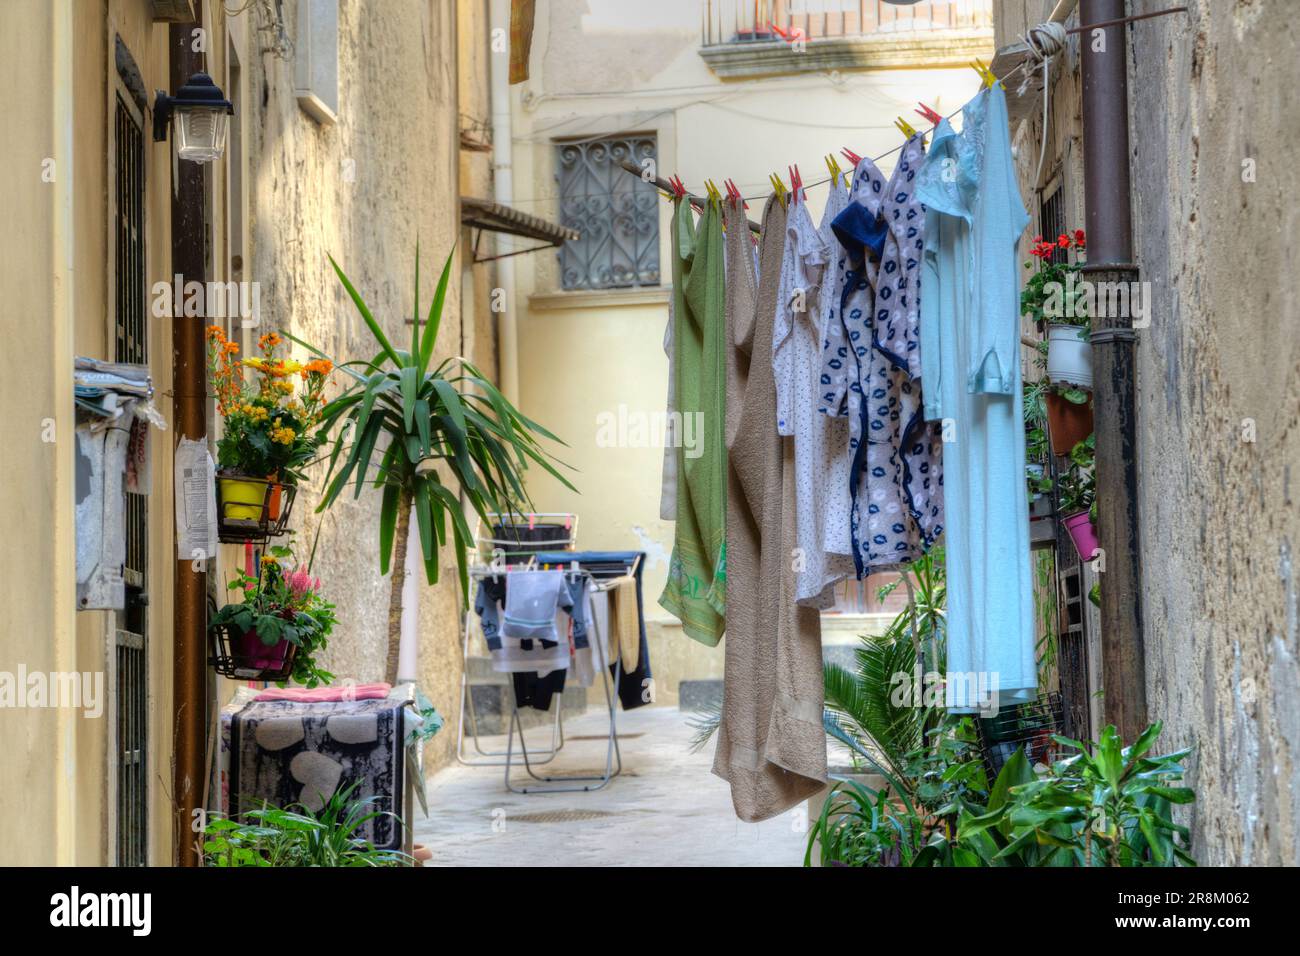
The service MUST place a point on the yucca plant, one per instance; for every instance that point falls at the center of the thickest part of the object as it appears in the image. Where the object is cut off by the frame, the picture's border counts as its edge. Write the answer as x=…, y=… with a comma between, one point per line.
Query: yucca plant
x=414, y=415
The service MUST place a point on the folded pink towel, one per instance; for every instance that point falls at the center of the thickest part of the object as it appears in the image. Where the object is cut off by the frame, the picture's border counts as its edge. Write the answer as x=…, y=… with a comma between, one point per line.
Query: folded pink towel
x=302, y=695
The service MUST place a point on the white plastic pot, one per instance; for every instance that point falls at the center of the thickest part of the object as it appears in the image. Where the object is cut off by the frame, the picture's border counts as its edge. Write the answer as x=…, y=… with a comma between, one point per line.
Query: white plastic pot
x=1069, y=356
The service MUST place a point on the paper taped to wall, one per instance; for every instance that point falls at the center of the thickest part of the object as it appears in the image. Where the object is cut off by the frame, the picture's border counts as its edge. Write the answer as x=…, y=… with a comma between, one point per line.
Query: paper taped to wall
x=196, y=501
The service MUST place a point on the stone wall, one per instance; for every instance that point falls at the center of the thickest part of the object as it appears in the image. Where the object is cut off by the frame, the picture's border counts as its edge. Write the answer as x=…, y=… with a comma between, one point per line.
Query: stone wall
x=1218, y=400
x=364, y=190
x=1219, y=412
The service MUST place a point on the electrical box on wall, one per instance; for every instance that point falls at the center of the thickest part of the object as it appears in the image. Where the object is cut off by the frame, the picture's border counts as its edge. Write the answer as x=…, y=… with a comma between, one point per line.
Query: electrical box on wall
x=316, y=59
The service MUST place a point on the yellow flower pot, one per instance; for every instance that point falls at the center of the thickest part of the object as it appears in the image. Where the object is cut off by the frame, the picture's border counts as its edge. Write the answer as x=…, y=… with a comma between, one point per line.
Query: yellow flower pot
x=242, y=499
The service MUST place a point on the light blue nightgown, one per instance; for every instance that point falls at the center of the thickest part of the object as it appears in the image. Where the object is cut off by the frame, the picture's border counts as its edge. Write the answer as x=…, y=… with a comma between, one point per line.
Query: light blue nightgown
x=970, y=357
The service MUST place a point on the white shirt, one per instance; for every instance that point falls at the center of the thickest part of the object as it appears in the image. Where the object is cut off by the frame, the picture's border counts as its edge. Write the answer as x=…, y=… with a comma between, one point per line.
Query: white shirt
x=821, y=442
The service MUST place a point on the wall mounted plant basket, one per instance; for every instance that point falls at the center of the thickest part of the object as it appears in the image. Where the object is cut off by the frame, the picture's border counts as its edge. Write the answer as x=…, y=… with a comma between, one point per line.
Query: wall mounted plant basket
x=252, y=509
x=1029, y=726
x=243, y=656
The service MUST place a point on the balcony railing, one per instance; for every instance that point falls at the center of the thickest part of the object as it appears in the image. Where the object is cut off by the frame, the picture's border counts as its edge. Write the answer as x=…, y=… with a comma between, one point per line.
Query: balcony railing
x=747, y=21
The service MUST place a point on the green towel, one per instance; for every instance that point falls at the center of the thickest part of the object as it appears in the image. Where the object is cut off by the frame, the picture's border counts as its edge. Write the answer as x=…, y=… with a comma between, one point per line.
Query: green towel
x=697, y=575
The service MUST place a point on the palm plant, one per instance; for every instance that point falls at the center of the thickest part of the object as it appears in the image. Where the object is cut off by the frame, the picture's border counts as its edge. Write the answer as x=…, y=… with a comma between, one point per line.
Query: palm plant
x=425, y=414
x=868, y=709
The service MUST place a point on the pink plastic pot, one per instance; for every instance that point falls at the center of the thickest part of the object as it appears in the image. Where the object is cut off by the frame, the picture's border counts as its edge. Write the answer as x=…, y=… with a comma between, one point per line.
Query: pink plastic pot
x=1083, y=533
x=261, y=656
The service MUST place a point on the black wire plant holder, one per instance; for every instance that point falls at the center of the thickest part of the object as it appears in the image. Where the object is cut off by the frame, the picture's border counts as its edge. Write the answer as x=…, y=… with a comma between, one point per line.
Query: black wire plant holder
x=228, y=658
x=1028, y=726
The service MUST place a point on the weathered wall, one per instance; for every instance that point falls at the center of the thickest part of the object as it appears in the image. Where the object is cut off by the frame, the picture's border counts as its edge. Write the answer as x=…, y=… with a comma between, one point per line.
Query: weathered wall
x=56, y=778
x=1222, y=357
x=364, y=190
x=1218, y=400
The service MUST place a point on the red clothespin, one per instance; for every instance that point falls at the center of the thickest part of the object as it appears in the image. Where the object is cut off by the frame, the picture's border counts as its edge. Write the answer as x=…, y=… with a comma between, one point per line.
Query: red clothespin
x=736, y=197
x=679, y=189
x=797, y=181
x=931, y=116
x=851, y=156
x=789, y=36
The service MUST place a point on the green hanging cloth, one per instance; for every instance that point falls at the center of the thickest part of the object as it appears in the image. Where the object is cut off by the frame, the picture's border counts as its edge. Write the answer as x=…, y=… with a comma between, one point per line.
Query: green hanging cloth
x=697, y=575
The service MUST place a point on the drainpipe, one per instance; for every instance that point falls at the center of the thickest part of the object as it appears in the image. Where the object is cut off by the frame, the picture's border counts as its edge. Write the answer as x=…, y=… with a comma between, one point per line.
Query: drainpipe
x=1110, y=260
x=504, y=192
x=189, y=385
x=63, y=233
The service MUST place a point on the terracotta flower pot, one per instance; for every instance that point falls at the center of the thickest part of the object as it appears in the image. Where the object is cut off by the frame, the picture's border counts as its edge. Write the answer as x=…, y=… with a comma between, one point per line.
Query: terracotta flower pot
x=273, y=503
x=1067, y=423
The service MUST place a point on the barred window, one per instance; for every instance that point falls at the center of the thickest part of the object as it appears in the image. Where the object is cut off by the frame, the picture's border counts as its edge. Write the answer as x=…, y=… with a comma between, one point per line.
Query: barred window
x=617, y=214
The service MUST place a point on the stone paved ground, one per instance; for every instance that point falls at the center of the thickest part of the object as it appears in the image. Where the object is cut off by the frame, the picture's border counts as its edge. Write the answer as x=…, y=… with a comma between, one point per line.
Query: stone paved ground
x=666, y=809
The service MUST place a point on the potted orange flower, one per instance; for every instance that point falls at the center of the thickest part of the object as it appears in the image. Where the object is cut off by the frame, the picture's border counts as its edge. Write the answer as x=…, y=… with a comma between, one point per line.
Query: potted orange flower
x=266, y=439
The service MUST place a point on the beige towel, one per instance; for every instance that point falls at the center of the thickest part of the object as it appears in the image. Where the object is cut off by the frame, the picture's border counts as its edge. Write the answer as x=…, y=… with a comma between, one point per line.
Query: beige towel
x=625, y=623
x=771, y=745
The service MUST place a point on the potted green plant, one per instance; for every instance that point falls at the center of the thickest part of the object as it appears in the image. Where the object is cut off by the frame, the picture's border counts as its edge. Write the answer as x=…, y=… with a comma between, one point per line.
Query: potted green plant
x=1078, y=494
x=444, y=437
x=1054, y=297
x=298, y=836
x=1069, y=417
x=266, y=437
x=1106, y=805
x=275, y=633
x=1037, y=479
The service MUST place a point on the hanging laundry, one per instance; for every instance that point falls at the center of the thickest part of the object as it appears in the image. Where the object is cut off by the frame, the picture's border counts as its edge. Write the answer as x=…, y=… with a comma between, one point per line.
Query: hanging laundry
x=834, y=473
x=895, y=511
x=771, y=744
x=635, y=685
x=696, y=588
x=821, y=452
x=542, y=651
x=970, y=354
x=532, y=598
x=904, y=456
x=672, y=436
x=847, y=339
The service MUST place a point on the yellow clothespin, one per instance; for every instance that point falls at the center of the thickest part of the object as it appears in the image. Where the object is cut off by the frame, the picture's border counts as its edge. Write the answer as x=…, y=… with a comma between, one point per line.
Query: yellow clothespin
x=833, y=168
x=905, y=127
x=985, y=73
x=779, y=186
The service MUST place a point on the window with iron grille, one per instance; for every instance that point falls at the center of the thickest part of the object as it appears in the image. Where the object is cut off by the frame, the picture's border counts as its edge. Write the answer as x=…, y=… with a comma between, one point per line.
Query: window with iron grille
x=617, y=214
x=130, y=690
x=1051, y=221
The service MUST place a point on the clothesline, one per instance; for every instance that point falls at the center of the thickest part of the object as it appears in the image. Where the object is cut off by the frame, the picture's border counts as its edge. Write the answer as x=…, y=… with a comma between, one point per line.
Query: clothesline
x=698, y=201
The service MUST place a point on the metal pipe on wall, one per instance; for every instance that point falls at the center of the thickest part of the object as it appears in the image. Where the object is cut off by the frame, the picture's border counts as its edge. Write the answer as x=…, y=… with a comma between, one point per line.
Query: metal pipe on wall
x=189, y=387
x=1110, y=252
x=504, y=193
